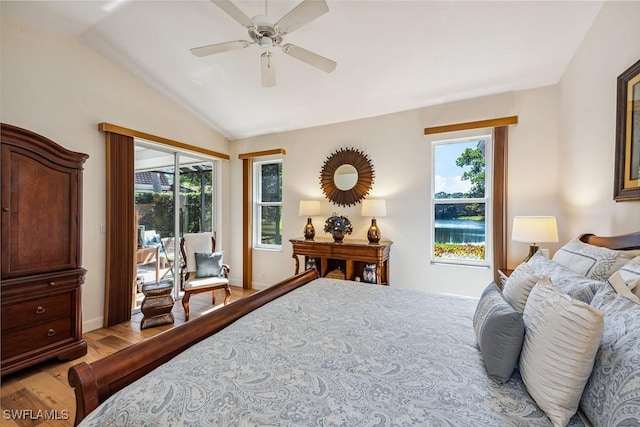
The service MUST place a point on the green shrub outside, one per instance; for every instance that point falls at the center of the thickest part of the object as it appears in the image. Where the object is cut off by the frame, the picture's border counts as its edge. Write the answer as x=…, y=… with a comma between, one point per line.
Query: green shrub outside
x=461, y=251
x=155, y=212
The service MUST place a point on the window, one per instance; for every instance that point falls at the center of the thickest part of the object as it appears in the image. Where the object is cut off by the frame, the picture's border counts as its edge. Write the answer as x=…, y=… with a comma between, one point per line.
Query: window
x=461, y=176
x=268, y=197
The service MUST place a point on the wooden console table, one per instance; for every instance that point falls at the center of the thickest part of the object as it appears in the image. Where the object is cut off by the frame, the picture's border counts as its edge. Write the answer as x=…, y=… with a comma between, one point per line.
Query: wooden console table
x=351, y=256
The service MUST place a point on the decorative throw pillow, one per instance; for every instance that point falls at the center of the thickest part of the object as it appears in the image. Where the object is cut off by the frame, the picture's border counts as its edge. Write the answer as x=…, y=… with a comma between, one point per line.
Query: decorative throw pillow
x=518, y=285
x=620, y=286
x=568, y=281
x=561, y=340
x=612, y=395
x=592, y=261
x=208, y=264
x=500, y=331
x=630, y=272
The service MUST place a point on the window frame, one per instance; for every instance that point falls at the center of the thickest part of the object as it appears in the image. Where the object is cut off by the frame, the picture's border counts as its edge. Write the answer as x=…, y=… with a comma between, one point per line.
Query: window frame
x=259, y=204
x=488, y=200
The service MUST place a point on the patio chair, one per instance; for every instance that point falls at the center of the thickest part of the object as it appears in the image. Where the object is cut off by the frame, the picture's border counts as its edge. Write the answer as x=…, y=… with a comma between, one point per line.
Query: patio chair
x=202, y=269
x=168, y=245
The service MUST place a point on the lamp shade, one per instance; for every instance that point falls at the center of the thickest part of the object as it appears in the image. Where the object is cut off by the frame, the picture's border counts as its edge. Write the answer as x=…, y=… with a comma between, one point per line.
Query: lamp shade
x=374, y=208
x=309, y=208
x=534, y=229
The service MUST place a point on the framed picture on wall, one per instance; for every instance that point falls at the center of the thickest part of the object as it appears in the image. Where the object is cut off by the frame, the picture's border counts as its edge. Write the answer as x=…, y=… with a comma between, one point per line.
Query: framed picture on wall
x=627, y=173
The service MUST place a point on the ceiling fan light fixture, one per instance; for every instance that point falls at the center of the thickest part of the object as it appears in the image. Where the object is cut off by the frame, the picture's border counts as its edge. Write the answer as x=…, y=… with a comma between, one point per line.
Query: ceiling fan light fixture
x=266, y=44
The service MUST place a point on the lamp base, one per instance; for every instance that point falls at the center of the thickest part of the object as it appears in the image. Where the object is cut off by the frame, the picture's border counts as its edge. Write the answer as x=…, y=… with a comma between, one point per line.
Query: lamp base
x=309, y=231
x=533, y=248
x=374, y=232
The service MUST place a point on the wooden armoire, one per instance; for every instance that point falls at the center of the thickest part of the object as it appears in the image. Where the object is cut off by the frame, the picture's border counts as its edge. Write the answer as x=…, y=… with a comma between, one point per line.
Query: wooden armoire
x=41, y=270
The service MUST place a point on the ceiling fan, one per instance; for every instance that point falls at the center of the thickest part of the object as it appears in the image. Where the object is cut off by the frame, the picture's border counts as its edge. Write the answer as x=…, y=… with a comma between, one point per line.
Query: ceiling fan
x=268, y=33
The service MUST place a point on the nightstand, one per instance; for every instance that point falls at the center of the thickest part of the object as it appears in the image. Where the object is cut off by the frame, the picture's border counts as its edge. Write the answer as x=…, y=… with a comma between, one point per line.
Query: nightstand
x=503, y=275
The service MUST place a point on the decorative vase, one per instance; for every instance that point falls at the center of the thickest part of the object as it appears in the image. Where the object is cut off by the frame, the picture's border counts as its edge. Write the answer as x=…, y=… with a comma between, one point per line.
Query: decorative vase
x=369, y=273
x=338, y=226
x=338, y=235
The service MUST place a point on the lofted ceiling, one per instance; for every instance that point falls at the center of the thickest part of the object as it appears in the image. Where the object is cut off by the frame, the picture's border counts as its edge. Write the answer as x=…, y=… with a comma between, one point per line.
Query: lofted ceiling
x=392, y=55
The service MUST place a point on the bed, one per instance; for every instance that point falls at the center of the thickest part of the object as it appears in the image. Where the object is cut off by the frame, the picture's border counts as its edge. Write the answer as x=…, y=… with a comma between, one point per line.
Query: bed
x=319, y=351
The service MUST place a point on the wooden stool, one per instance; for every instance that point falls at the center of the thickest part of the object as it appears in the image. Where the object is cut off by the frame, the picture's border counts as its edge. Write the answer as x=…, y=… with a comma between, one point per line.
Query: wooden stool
x=157, y=304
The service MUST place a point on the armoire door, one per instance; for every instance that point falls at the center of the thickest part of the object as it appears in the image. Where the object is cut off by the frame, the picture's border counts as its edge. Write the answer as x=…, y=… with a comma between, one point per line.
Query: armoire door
x=40, y=220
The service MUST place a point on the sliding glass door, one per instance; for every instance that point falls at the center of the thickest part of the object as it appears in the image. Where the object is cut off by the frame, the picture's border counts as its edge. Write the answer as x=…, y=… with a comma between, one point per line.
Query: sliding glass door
x=175, y=193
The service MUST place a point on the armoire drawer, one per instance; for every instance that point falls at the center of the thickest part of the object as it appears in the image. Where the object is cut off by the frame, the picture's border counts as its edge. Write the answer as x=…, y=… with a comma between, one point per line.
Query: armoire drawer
x=35, y=337
x=38, y=310
x=18, y=286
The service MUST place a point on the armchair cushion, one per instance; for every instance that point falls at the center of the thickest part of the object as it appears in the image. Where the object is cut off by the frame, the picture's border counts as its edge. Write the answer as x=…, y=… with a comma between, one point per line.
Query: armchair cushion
x=151, y=238
x=205, y=282
x=209, y=264
x=193, y=243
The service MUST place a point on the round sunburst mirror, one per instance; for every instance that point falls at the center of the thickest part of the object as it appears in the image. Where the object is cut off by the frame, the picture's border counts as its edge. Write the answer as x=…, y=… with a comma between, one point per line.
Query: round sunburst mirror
x=346, y=176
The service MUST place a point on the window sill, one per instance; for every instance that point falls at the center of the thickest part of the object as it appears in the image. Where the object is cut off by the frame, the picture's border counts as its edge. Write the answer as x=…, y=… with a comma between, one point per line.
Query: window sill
x=268, y=249
x=461, y=263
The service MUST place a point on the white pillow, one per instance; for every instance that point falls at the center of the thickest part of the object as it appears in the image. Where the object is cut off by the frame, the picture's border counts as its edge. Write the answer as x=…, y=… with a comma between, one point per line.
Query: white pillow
x=634, y=285
x=591, y=261
x=568, y=281
x=630, y=272
x=618, y=283
x=518, y=285
x=561, y=340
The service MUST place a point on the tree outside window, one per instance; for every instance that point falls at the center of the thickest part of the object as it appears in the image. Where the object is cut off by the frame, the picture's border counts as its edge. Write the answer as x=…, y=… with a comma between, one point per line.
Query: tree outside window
x=460, y=201
x=269, y=204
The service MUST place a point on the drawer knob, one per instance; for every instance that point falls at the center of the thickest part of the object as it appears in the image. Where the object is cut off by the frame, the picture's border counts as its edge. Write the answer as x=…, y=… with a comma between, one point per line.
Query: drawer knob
x=51, y=333
x=5, y=209
x=52, y=283
x=40, y=310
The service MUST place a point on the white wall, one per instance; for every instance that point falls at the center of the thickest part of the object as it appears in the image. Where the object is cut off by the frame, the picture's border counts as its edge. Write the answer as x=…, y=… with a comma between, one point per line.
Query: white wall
x=587, y=127
x=560, y=154
x=561, y=162
x=401, y=156
x=57, y=87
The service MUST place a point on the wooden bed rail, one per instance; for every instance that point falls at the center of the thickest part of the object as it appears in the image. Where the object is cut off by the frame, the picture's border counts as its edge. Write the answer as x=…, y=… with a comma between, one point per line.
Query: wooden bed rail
x=95, y=382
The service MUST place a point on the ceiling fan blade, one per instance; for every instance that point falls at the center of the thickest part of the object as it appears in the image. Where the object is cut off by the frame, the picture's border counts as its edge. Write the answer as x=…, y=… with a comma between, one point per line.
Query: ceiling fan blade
x=233, y=11
x=303, y=13
x=304, y=55
x=219, y=47
x=268, y=70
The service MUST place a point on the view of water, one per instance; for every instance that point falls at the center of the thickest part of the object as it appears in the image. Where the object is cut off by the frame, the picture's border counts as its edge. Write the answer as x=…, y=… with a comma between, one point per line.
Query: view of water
x=460, y=231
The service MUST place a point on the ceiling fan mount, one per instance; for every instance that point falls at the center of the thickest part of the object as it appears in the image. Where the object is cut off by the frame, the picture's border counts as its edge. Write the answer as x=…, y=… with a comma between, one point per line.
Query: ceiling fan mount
x=264, y=32
x=267, y=32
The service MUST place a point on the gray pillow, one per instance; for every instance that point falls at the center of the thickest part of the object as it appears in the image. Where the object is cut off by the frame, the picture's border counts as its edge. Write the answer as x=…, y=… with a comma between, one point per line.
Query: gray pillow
x=499, y=330
x=208, y=264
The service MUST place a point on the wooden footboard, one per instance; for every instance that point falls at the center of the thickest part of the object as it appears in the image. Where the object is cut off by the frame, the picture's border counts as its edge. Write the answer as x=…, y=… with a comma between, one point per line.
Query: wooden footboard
x=95, y=382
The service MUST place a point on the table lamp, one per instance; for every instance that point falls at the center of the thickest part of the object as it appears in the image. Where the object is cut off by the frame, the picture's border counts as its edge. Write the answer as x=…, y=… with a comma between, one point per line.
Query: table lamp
x=374, y=208
x=309, y=208
x=534, y=230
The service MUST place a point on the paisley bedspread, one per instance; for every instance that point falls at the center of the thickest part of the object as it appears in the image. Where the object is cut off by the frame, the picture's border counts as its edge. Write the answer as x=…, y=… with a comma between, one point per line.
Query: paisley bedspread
x=332, y=353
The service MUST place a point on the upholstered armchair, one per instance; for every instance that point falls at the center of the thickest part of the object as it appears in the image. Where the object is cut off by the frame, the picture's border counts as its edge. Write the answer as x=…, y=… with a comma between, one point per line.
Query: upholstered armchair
x=202, y=269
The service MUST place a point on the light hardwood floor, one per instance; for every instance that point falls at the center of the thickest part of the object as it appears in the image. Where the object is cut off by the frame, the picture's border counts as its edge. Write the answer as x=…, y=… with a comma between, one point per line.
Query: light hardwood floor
x=42, y=391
